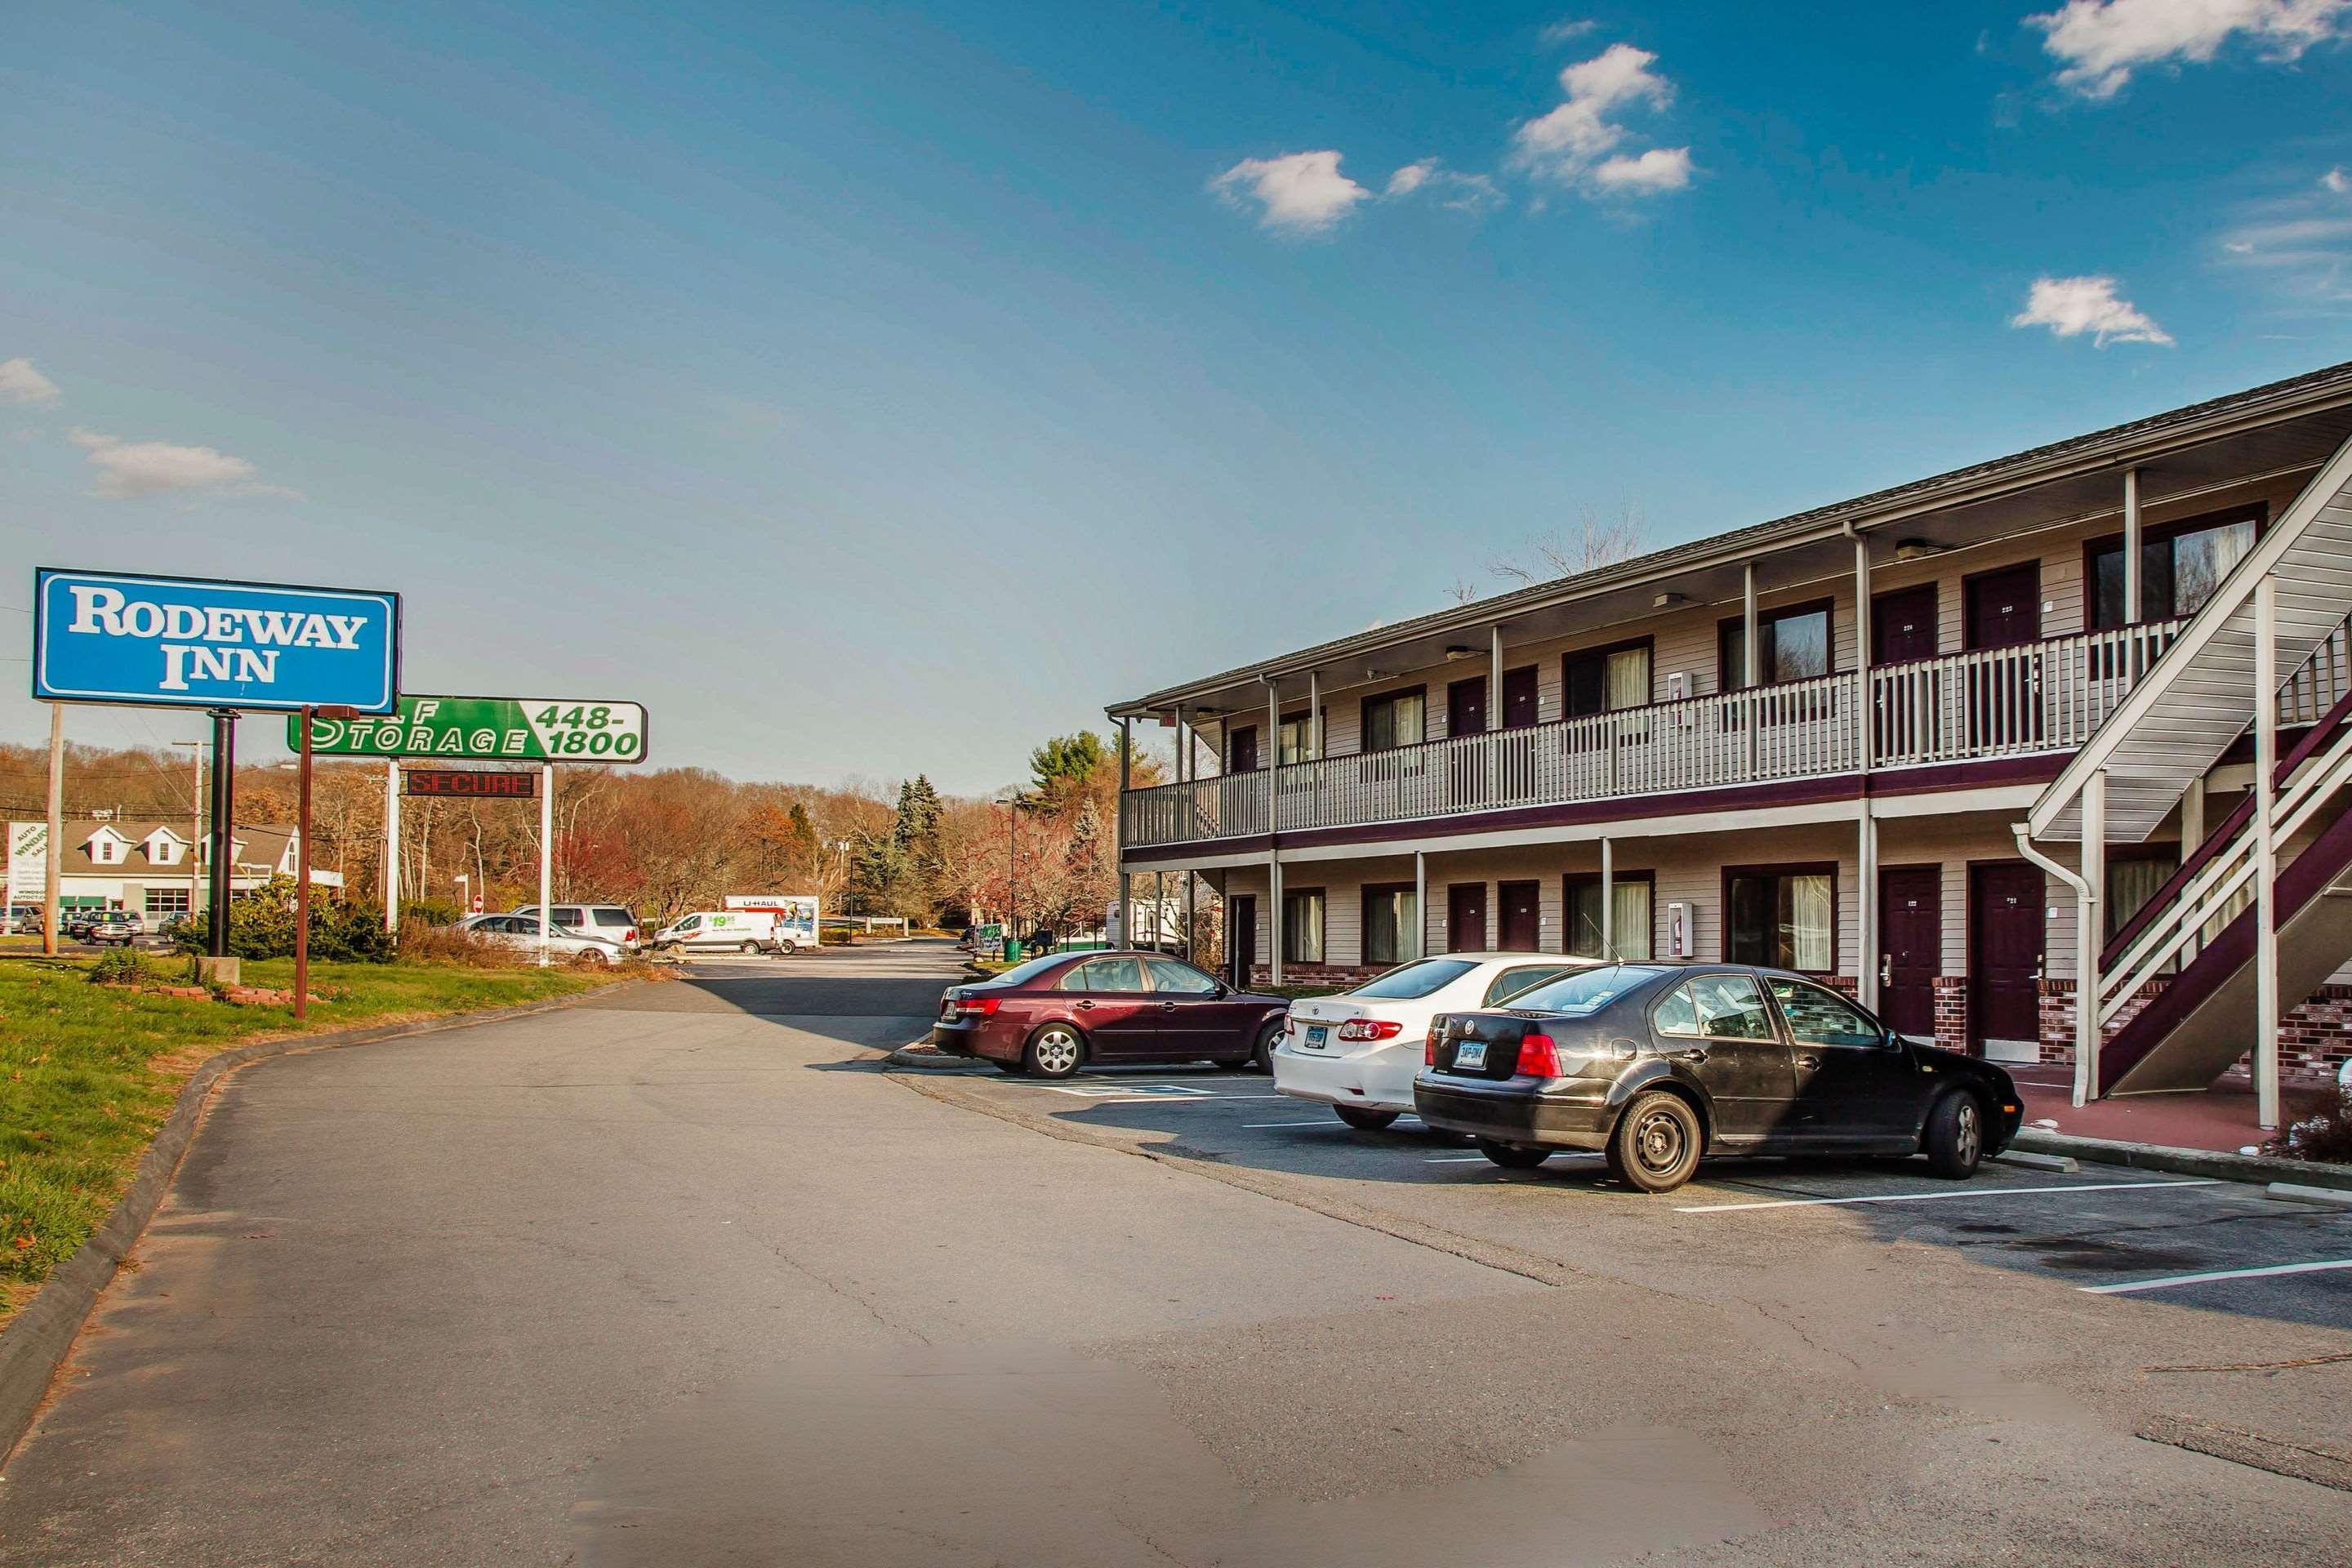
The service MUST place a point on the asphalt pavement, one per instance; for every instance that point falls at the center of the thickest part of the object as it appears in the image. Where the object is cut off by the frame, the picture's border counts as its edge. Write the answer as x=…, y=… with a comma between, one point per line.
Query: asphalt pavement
x=683, y=1276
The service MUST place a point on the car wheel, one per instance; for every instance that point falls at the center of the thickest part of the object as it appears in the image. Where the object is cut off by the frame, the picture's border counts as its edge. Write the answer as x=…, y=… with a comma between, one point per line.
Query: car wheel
x=748, y=949
x=1364, y=1121
x=1058, y=1051
x=1955, y=1140
x=1656, y=1143
x=1512, y=1156
x=1262, y=1054
x=788, y=947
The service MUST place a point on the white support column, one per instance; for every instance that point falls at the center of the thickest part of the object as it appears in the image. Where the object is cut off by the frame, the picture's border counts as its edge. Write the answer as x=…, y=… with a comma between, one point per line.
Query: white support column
x=1314, y=714
x=1192, y=916
x=1420, y=903
x=1866, y=973
x=2132, y=585
x=1183, y=743
x=391, y=844
x=1608, y=901
x=1748, y=676
x=1274, y=917
x=1159, y=903
x=1273, y=723
x=546, y=857
x=1862, y=704
x=2090, y=899
x=2192, y=834
x=1495, y=682
x=2266, y=977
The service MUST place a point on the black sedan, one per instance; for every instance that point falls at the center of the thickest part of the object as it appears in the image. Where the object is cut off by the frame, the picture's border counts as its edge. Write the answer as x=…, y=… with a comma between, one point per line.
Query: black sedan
x=1656, y=1064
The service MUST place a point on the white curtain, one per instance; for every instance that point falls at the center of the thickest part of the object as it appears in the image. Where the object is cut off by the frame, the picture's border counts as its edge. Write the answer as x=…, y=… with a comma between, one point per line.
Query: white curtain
x=1813, y=944
x=1630, y=918
x=1627, y=680
x=1410, y=730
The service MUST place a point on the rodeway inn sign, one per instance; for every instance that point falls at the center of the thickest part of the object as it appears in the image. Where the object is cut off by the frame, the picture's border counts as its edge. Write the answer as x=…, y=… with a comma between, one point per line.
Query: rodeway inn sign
x=195, y=643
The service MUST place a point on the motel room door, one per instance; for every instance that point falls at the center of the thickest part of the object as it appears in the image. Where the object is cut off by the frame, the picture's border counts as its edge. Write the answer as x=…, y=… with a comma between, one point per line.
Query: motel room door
x=1522, y=916
x=2007, y=931
x=2004, y=696
x=1465, y=917
x=1241, y=938
x=1910, y=947
x=1910, y=700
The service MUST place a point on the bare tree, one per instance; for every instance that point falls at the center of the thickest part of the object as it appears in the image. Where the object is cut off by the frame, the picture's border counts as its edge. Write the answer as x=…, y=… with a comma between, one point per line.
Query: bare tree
x=1600, y=539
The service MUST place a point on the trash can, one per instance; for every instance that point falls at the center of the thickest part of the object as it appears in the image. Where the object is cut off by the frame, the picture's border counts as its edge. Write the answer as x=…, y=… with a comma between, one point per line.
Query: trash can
x=1011, y=950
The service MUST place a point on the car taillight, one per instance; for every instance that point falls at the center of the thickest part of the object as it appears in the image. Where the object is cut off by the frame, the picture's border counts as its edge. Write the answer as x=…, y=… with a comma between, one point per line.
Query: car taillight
x=1429, y=1041
x=1289, y=1024
x=985, y=1007
x=1538, y=1057
x=1370, y=1029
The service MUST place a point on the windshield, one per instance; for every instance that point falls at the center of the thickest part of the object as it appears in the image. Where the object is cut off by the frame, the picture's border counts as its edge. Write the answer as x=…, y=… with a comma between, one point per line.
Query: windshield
x=1588, y=990
x=1415, y=980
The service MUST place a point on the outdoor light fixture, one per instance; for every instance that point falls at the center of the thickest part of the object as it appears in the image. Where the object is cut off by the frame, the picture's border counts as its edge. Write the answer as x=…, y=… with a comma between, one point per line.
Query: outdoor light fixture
x=1668, y=600
x=1915, y=550
x=1458, y=650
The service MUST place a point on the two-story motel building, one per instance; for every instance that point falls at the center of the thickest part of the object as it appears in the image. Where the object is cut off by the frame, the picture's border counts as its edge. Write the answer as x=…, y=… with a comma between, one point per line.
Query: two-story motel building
x=1811, y=742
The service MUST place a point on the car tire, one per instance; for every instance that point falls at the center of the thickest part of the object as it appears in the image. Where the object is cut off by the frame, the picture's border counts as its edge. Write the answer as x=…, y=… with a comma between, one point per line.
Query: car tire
x=1364, y=1121
x=1262, y=1054
x=748, y=949
x=1656, y=1146
x=1058, y=1051
x=1954, y=1143
x=788, y=947
x=1513, y=1156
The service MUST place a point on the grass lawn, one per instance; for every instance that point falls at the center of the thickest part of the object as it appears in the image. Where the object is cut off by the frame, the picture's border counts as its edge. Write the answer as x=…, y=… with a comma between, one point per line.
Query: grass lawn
x=89, y=1072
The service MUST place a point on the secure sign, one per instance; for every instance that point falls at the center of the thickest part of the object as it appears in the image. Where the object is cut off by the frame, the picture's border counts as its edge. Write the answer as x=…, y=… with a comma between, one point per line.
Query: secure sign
x=192, y=642
x=527, y=729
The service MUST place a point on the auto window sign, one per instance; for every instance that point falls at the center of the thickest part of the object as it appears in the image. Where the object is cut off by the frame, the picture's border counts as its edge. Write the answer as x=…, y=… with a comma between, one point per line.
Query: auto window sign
x=528, y=729
x=194, y=642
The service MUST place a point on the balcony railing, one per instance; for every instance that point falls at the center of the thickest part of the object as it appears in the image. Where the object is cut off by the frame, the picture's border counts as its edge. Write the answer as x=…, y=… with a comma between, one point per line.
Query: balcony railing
x=2042, y=697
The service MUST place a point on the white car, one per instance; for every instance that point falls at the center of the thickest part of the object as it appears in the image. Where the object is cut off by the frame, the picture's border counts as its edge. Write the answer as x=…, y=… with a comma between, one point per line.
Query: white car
x=1358, y=1051
x=563, y=944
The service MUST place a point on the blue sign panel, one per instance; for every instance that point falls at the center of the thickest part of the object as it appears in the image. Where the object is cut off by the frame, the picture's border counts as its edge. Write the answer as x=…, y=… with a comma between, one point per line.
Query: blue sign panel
x=190, y=642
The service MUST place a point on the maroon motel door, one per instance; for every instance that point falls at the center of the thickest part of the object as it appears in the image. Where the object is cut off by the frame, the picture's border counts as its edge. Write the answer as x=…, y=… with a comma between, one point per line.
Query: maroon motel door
x=2005, y=610
x=1518, y=697
x=1522, y=915
x=1466, y=714
x=1241, y=938
x=1910, y=947
x=2006, y=930
x=1244, y=747
x=1465, y=917
x=1910, y=703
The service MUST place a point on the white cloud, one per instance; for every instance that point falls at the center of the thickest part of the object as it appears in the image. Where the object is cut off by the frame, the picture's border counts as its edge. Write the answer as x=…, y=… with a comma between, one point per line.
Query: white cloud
x=1659, y=169
x=2101, y=42
x=1448, y=187
x=130, y=470
x=1301, y=193
x=2337, y=181
x=1577, y=143
x=20, y=383
x=1411, y=178
x=1566, y=28
x=2070, y=306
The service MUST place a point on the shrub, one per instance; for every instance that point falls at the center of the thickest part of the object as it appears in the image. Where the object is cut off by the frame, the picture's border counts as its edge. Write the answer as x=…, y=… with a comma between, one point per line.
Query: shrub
x=430, y=911
x=128, y=966
x=450, y=945
x=261, y=925
x=2326, y=1135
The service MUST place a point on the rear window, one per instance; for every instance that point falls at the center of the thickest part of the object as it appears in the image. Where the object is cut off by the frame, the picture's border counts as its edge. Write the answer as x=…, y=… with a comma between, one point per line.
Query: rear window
x=1511, y=981
x=1025, y=972
x=606, y=915
x=1415, y=980
x=1588, y=990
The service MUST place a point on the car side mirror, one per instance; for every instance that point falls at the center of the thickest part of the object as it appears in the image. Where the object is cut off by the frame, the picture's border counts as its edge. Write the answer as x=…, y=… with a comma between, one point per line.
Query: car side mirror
x=1222, y=992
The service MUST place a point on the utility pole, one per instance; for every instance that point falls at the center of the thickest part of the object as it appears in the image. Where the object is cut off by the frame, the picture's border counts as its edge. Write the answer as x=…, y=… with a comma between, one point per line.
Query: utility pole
x=56, y=828
x=223, y=824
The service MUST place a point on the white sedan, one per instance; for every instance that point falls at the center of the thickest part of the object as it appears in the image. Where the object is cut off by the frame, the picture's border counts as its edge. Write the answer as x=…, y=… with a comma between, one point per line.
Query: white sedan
x=563, y=944
x=1358, y=1051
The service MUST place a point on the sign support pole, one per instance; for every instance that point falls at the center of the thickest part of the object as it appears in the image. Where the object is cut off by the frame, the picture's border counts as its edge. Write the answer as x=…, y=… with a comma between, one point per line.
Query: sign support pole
x=302, y=881
x=546, y=857
x=49, y=862
x=223, y=834
x=391, y=845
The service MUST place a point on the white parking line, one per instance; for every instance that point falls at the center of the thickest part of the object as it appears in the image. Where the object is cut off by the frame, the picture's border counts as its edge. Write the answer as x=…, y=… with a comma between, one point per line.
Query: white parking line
x=1318, y=1122
x=1465, y=1159
x=1957, y=1193
x=2169, y=1280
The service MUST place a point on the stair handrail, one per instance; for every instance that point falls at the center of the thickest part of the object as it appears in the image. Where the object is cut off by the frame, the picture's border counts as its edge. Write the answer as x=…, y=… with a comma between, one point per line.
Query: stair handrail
x=2229, y=597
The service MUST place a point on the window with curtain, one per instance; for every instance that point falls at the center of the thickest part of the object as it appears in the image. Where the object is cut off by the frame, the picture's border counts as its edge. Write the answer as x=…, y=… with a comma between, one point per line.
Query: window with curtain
x=1628, y=919
x=1603, y=680
x=1786, y=919
x=1790, y=644
x=1392, y=924
x=1302, y=926
x=2130, y=884
x=1396, y=719
x=2178, y=571
x=1295, y=741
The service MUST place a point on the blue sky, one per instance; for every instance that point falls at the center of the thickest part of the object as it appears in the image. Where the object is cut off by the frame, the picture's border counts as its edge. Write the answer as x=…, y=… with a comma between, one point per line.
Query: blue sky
x=869, y=389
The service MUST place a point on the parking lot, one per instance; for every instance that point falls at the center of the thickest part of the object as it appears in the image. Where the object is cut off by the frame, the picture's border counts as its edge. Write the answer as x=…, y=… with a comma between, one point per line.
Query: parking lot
x=2115, y=1235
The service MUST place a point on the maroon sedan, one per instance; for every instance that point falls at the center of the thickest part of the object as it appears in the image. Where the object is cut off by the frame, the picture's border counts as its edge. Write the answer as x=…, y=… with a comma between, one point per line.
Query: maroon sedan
x=1054, y=1015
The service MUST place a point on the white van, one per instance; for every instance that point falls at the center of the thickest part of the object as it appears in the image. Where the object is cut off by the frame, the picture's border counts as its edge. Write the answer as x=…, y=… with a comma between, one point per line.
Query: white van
x=710, y=931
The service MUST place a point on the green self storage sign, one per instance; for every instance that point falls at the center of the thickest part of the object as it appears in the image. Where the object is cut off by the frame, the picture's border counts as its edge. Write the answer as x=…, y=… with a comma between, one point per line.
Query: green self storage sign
x=526, y=729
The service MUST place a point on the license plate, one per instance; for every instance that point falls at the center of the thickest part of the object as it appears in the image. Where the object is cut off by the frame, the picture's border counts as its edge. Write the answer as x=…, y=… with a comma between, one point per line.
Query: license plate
x=1469, y=1053
x=1318, y=1036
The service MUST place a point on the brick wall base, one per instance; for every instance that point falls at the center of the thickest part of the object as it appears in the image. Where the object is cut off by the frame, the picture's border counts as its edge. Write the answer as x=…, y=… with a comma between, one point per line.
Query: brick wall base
x=1319, y=973
x=2314, y=1039
x=1952, y=993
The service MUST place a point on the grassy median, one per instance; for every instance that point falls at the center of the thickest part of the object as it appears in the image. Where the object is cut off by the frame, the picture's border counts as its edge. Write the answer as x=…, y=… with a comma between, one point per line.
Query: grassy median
x=89, y=1072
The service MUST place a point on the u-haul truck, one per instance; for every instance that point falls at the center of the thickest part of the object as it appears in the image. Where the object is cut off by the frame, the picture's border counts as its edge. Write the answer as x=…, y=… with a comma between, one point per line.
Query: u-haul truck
x=795, y=915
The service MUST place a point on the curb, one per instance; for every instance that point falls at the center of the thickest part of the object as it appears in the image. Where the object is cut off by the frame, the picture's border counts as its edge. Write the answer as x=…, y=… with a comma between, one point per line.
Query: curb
x=2259, y=1168
x=37, y=1339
